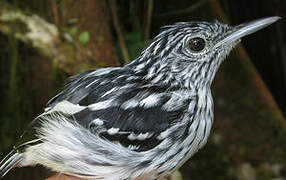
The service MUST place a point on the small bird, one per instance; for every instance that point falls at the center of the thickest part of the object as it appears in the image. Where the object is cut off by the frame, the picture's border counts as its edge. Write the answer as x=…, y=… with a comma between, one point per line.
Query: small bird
x=141, y=121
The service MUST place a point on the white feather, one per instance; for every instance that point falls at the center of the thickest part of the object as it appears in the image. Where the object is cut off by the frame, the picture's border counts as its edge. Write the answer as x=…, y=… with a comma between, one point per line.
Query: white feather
x=66, y=107
x=98, y=121
x=102, y=105
x=132, y=103
x=150, y=101
x=113, y=131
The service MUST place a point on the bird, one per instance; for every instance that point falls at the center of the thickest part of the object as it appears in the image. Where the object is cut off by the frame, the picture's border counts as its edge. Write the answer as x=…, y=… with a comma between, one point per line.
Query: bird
x=140, y=121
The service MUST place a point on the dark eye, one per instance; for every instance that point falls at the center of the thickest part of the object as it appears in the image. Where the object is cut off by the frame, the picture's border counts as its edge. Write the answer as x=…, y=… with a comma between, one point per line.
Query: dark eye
x=197, y=44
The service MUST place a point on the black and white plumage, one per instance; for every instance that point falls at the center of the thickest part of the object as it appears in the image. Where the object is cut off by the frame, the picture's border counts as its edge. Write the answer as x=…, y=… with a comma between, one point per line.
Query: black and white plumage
x=139, y=121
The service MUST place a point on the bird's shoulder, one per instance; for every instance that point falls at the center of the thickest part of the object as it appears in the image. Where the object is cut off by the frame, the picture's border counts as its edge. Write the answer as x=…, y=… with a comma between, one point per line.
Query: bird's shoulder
x=88, y=86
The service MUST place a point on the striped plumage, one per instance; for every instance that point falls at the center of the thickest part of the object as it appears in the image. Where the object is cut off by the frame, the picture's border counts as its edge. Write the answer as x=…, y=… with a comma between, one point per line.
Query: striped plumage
x=139, y=121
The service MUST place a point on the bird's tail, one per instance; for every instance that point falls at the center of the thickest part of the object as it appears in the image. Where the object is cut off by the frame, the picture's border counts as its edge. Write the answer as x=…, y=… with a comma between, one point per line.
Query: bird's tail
x=10, y=161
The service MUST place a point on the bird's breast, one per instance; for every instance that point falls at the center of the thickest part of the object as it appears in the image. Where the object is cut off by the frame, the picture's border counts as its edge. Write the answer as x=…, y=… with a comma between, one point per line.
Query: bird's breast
x=198, y=131
x=203, y=119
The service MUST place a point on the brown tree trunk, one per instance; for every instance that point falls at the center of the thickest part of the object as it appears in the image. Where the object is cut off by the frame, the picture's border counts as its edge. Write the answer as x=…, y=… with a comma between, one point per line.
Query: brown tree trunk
x=92, y=17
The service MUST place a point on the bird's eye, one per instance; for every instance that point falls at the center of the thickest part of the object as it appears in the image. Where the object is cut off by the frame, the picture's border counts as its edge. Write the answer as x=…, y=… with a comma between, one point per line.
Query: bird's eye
x=197, y=44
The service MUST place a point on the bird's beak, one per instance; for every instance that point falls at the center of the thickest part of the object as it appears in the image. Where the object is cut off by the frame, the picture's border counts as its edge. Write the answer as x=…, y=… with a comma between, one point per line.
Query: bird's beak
x=244, y=29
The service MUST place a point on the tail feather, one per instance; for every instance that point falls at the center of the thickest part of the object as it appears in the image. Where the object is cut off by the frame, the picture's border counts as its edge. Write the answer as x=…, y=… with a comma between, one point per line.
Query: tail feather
x=10, y=161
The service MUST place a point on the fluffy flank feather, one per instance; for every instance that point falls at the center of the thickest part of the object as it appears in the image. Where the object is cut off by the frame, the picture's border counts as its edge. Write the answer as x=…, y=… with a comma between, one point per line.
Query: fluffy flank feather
x=81, y=151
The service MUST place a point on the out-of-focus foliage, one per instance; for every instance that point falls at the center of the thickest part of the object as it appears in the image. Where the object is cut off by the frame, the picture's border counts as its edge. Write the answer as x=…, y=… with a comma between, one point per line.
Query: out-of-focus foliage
x=133, y=39
x=84, y=37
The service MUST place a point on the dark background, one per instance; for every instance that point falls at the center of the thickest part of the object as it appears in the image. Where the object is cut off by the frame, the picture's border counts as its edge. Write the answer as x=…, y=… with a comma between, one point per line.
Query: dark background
x=248, y=138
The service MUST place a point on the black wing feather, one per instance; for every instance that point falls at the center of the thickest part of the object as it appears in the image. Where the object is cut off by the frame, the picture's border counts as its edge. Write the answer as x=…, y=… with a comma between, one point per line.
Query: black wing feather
x=86, y=89
x=139, y=119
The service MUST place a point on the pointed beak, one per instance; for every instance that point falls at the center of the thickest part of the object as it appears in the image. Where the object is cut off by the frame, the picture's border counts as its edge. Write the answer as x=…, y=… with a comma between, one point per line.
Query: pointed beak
x=246, y=29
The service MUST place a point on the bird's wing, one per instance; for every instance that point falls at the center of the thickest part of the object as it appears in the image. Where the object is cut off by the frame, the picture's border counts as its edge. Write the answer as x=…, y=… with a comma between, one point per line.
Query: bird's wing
x=139, y=116
x=122, y=108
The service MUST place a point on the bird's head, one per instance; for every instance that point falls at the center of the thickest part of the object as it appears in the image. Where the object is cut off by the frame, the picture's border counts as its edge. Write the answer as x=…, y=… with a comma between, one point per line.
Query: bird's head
x=191, y=52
